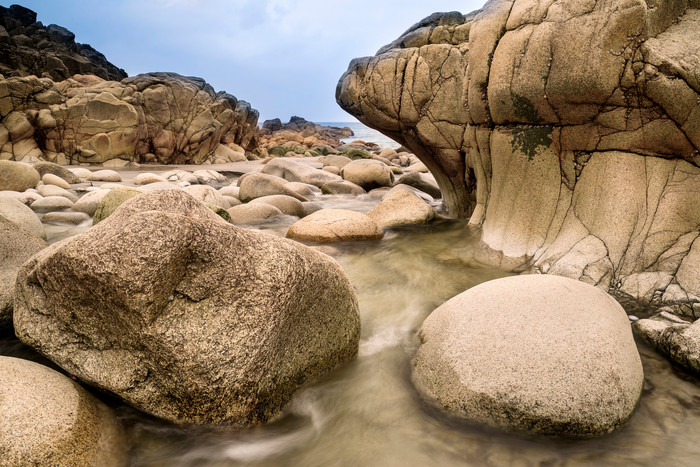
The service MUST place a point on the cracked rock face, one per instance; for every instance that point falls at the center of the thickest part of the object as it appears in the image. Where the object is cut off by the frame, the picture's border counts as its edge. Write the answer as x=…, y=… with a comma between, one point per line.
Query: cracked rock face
x=155, y=118
x=568, y=130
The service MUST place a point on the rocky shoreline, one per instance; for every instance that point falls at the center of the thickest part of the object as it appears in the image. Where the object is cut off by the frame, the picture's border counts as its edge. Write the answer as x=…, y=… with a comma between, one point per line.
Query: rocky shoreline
x=163, y=250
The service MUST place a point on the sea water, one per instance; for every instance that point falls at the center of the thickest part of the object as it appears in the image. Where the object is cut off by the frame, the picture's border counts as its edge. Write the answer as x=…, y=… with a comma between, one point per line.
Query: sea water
x=364, y=133
x=367, y=413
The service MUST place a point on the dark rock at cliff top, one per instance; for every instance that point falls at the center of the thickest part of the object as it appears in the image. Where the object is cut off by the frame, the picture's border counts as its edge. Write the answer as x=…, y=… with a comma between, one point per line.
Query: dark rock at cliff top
x=27, y=47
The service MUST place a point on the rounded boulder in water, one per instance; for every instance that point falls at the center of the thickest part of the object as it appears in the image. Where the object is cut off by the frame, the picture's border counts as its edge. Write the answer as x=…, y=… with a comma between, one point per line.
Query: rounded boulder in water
x=536, y=353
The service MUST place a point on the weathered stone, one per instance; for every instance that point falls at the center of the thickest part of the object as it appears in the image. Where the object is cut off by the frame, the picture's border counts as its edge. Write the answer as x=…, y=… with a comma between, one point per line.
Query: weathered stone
x=111, y=201
x=47, y=419
x=251, y=214
x=342, y=187
x=402, y=208
x=557, y=129
x=89, y=202
x=105, y=175
x=51, y=179
x=51, y=203
x=367, y=173
x=17, y=176
x=50, y=168
x=336, y=161
x=294, y=171
x=256, y=185
x=536, y=353
x=146, y=178
x=335, y=225
x=53, y=190
x=208, y=195
x=34, y=49
x=153, y=118
x=423, y=182
x=22, y=215
x=287, y=204
x=175, y=334
x=17, y=245
x=65, y=217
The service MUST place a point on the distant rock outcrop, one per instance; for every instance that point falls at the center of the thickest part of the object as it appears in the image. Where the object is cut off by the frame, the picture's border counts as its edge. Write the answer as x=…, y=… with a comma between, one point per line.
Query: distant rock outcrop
x=570, y=131
x=27, y=47
x=156, y=117
x=300, y=133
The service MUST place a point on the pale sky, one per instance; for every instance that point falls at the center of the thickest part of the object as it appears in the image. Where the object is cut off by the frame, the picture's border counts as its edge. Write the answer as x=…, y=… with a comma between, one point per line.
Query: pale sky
x=283, y=56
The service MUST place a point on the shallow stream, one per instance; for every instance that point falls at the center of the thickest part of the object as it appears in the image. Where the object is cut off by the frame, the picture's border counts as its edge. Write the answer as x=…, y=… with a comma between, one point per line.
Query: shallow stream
x=368, y=414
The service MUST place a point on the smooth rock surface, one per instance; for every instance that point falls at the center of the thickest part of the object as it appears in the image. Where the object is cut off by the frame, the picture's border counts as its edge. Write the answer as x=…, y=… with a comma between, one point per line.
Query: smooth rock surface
x=186, y=316
x=256, y=185
x=367, y=173
x=335, y=225
x=47, y=419
x=536, y=353
x=16, y=176
x=17, y=245
x=22, y=215
x=287, y=204
x=402, y=208
x=250, y=214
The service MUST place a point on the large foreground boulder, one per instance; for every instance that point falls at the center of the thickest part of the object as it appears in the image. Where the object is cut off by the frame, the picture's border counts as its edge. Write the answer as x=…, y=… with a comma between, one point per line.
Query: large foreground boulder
x=536, y=353
x=17, y=245
x=185, y=316
x=570, y=131
x=47, y=419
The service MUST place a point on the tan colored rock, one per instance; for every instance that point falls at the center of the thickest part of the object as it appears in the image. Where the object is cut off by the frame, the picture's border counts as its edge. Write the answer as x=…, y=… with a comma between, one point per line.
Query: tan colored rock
x=207, y=195
x=17, y=212
x=190, y=331
x=367, y=173
x=51, y=203
x=47, y=419
x=17, y=246
x=146, y=178
x=535, y=353
x=294, y=171
x=156, y=117
x=342, y=187
x=335, y=225
x=286, y=204
x=53, y=190
x=569, y=133
x=89, y=202
x=17, y=176
x=51, y=179
x=402, y=208
x=251, y=213
x=65, y=217
x=256, y=185
x=50, y=168
x=105, y=176
x=109, y=202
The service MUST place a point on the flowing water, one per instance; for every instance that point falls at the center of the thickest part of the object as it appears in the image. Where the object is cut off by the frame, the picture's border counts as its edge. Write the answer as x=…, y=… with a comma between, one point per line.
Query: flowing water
x=367, y=412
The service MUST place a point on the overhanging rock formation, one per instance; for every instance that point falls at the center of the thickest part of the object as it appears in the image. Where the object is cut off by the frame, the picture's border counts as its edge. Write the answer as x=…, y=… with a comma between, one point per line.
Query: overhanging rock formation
x=568, y=130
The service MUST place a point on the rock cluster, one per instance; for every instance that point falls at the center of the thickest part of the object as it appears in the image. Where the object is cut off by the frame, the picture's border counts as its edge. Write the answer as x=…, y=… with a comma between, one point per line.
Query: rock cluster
x=299, y=135
x=569, y=132
x=27, y=47
x=154, y=118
